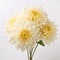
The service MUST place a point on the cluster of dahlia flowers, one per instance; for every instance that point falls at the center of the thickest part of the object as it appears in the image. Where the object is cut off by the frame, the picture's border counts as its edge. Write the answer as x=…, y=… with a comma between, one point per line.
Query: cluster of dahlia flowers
x=30, y=27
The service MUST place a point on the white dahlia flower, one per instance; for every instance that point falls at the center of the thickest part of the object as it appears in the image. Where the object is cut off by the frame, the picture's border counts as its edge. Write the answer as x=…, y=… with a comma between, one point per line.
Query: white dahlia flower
x=36, y=15
x=23, y=34
x=48, y=32
x=11, y=23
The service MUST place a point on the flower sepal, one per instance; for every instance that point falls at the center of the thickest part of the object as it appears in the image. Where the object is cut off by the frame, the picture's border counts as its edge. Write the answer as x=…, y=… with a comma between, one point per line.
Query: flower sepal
x=41, y=43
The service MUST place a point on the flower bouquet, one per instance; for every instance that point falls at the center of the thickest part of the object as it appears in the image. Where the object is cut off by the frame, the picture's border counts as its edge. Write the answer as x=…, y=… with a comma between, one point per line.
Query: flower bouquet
x=30, y=28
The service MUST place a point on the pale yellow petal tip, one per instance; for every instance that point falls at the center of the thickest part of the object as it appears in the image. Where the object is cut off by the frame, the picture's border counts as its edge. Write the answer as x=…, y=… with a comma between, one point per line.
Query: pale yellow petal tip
x=12, y=21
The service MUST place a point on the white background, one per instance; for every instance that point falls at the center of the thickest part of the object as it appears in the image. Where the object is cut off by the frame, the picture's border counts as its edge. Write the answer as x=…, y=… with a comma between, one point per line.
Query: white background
x=9, y=8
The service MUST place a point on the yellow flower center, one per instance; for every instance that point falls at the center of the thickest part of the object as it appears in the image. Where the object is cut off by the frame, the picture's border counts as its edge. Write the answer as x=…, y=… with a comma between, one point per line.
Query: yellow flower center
x=12, y=21
x=46, y=30
x=25, y=35
x=35, y=14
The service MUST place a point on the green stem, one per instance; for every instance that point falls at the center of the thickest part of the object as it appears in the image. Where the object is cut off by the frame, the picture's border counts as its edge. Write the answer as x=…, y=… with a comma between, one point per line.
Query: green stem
x=28, y=54
x=34, y=50
x=31, y=55
x=30, y=58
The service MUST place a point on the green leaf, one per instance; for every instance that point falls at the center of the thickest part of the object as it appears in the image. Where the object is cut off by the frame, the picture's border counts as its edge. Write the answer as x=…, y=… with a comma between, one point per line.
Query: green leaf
x=41, y=43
